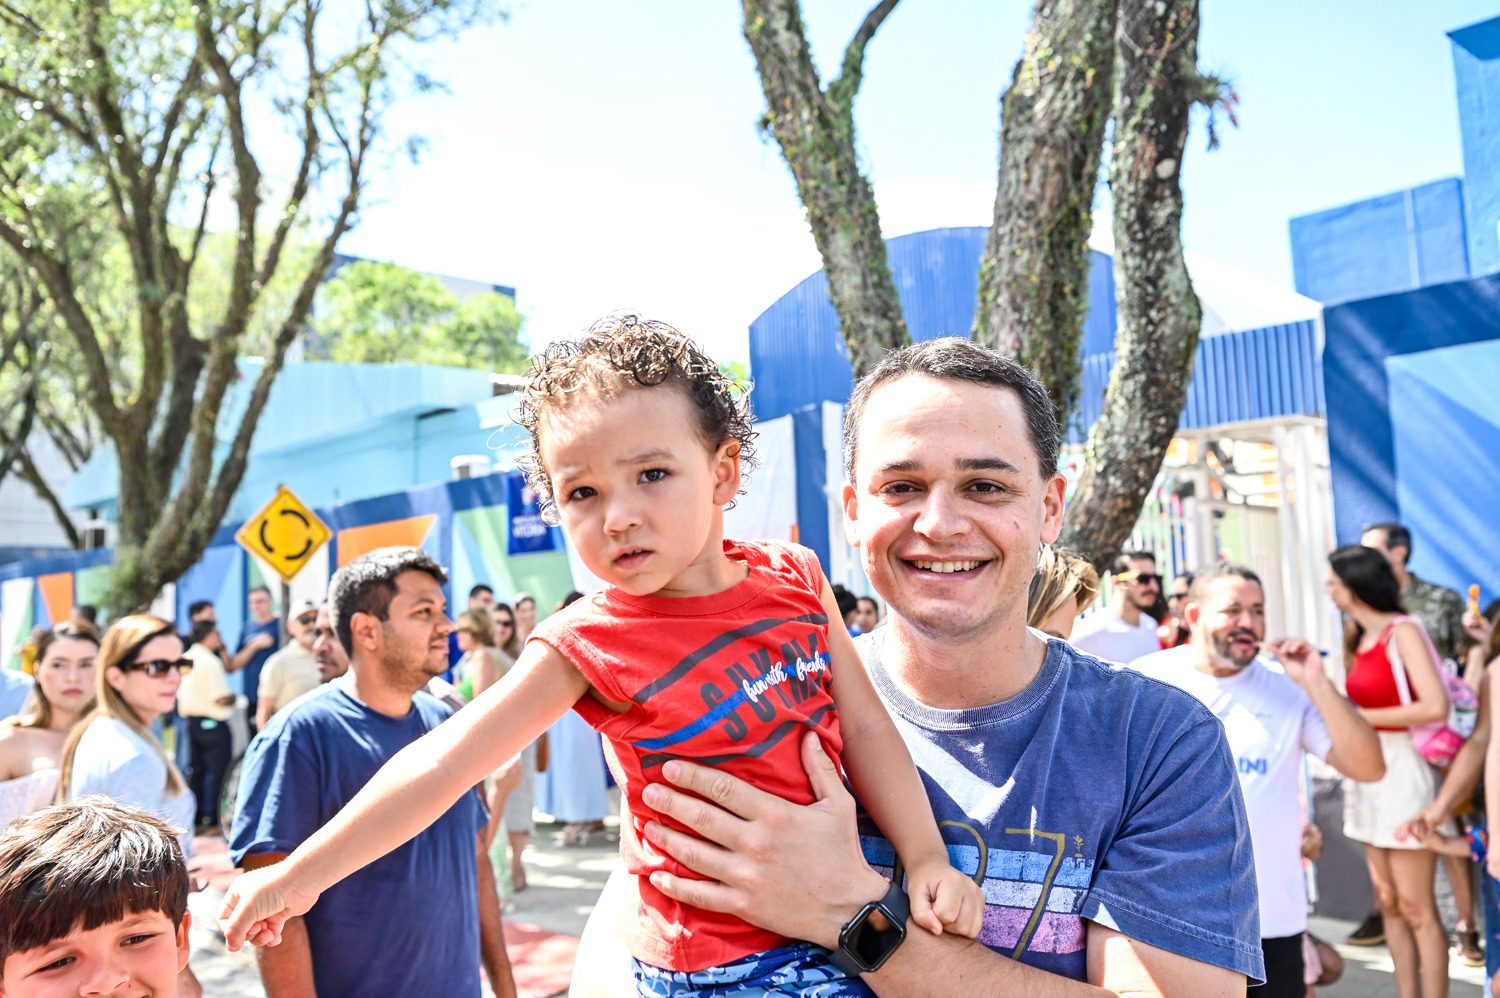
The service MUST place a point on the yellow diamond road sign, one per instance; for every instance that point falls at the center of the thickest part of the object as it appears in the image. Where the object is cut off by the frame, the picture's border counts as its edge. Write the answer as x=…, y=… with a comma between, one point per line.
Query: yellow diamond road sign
x=285, y=533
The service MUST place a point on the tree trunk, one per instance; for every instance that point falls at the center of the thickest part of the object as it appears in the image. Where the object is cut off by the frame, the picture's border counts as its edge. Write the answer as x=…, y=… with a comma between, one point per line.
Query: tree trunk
x=1156, y=85
x=1033, y=277
x=815, y=129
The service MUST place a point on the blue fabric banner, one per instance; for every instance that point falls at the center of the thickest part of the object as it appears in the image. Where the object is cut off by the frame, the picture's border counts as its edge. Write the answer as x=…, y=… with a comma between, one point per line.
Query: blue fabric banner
x=528, y=533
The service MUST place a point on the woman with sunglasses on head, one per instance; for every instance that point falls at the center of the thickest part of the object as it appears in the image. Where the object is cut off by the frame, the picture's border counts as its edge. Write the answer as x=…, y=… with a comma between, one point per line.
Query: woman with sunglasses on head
x=1394, y=680
x=112, y=750
x=31, y=743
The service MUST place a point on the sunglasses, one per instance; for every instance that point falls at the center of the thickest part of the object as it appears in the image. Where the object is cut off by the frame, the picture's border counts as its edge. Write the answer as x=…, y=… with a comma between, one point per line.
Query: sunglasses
x=159, y=667
x=1144, y=578
x=505, y=623
x=308, y=619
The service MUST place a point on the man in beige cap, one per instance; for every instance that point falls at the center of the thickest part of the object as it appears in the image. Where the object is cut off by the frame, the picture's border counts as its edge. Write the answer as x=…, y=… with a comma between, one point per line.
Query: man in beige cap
x=293, y=670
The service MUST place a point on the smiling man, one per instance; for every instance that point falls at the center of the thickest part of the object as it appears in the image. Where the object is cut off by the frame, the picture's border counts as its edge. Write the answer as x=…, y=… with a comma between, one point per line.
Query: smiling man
x=1098, y=810
x=1270, y=719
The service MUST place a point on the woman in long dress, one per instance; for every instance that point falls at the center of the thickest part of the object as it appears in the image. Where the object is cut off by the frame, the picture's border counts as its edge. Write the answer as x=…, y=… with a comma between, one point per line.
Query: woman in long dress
x=31, y=743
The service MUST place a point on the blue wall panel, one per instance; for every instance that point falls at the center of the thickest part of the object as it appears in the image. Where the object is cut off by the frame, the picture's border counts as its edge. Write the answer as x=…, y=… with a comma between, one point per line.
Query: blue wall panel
x=1395, y=242
x=1445, y=422
x=1476, y=70
x=1361, y=336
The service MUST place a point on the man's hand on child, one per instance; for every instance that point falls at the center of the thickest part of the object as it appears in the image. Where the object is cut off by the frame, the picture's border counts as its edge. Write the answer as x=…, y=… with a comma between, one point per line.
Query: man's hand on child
x=944, y=899
x=257, y=906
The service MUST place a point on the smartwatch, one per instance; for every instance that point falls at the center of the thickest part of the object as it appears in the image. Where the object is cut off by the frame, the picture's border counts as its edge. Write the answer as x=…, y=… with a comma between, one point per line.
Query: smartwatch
x=862, y=947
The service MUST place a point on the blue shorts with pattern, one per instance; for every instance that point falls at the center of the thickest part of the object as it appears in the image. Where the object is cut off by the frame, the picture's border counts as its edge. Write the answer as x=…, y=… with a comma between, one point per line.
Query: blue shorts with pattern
x=799, y=969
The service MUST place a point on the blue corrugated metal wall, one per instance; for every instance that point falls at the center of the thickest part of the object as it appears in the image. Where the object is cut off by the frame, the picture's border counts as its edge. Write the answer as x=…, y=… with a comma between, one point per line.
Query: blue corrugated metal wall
x=1237, y=377
x=797, y=355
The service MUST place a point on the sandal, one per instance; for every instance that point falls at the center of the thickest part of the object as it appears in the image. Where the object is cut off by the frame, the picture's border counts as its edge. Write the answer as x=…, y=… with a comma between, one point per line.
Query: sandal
x=1466, y=941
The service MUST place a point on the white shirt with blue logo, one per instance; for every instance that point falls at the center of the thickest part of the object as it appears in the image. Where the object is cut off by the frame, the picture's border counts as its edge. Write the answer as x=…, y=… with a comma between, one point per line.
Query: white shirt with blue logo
x=1269, y=722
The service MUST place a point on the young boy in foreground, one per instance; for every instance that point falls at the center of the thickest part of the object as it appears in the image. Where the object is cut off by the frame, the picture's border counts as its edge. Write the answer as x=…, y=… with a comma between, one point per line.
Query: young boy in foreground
x=93, y=900
x=720, y=652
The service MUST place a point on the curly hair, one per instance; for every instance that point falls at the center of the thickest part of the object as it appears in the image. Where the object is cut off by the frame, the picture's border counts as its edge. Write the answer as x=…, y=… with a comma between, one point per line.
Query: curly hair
x=626, y=350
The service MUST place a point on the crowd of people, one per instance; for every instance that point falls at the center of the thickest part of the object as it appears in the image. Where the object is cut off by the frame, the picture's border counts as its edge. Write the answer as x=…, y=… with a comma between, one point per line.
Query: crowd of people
x=97, y=716
x=1106, y=793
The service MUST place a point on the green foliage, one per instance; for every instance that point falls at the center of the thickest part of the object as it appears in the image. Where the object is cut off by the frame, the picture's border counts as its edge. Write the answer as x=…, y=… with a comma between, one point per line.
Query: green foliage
x=736, y=371
x=380, y=313
x=174, y=177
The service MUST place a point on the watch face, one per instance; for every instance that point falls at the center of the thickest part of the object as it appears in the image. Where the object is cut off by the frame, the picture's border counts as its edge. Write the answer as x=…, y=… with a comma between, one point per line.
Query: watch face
x=868, y=947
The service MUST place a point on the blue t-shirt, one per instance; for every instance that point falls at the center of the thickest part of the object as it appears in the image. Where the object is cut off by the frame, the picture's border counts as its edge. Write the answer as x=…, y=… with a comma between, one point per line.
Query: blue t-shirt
x=407, y=924
x=1095, y=794
x=250, y=674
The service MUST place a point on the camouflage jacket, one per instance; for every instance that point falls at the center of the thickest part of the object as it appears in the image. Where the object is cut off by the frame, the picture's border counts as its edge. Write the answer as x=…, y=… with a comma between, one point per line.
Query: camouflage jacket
x=1441, y=611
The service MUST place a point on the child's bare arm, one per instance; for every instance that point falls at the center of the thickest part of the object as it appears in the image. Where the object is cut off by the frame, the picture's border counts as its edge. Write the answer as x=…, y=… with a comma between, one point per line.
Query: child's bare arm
x=1445, y=845
x=886, y=781
x=410, y=792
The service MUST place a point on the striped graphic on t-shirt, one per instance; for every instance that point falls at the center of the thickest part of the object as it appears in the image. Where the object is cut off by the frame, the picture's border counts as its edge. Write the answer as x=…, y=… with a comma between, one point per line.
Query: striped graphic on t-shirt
x=1032, y=898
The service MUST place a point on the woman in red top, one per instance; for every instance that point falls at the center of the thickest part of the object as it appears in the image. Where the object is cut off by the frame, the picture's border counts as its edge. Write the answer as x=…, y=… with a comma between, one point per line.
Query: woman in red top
x=1363, y=587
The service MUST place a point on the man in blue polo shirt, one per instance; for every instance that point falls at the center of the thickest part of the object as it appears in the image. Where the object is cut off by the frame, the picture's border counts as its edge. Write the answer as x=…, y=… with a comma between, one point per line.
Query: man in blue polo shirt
x=422, y=919
x=259, y=640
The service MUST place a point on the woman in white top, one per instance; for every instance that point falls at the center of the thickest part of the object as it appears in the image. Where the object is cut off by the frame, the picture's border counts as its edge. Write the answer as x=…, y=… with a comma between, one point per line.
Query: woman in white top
x=31, y=743
x=112, y=751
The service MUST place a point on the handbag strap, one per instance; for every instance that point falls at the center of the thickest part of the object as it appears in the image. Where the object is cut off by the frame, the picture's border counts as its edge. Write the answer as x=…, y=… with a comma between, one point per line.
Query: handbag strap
x=1393, y=655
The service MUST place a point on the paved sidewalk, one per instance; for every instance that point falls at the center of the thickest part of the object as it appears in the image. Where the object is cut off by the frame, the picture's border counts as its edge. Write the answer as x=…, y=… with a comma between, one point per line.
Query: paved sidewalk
x=564, y=882
x=1367, y=969
x=542, y=921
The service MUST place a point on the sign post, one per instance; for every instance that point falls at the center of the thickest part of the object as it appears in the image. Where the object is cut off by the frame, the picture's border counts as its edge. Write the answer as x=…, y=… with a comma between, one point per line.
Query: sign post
x=285, y=534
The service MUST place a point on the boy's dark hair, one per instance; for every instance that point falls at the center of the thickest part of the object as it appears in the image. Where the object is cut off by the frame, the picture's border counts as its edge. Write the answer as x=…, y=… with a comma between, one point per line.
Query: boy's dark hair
x=197, y=606
x=952, y=359
x=87, y=613
x=367, y=583
x=480, y=588
x=629, y=350
x=82, y=864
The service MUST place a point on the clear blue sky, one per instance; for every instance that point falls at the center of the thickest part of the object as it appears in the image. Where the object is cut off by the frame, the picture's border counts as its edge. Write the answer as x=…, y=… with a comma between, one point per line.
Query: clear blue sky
x=599, y=154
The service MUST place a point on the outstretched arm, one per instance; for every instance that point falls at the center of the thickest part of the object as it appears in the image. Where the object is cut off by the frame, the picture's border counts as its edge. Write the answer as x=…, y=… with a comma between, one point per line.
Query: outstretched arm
x=887, y=783
x=410, y=792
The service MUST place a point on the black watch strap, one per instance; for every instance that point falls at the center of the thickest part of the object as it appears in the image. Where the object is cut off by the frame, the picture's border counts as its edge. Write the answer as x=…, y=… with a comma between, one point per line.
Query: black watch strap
x=863, y=948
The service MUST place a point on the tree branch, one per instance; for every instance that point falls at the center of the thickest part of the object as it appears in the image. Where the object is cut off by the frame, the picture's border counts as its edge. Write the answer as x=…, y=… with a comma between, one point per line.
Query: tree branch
x=1033, y=276
x=59, y=284
x=817, y=142
x=314, y=98
x=842, y=90
x=1158, y=311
